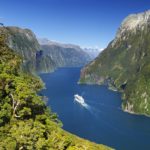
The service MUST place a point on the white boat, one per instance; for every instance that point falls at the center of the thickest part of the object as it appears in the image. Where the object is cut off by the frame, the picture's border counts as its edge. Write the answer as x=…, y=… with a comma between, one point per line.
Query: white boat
x=79, y=99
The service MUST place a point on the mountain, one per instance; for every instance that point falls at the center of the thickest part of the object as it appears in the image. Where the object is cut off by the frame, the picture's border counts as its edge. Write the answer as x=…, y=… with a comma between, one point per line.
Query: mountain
x=93, y=52
x=125, y=64
x=43, y=58
x=26, y=123
x=64, y=55
x=45, y=41
x=24, y=42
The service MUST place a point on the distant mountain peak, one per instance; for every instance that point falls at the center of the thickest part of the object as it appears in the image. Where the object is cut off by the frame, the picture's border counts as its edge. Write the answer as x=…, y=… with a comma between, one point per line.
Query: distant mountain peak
x=92, y=52
x=45, y=41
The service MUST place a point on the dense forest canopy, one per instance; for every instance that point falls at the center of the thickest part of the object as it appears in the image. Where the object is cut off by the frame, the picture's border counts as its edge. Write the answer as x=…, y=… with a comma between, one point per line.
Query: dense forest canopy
x=26, y=123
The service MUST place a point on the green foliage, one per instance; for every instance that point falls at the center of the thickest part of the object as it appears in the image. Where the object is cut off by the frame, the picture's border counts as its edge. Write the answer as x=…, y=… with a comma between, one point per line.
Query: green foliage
x=25, y=121
x=126, y=66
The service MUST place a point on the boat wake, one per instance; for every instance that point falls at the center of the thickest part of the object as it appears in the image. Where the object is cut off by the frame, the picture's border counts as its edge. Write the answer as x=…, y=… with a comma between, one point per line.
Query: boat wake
x=86, y=106
x=80, y=100
x=104, y=105
x=97, y=113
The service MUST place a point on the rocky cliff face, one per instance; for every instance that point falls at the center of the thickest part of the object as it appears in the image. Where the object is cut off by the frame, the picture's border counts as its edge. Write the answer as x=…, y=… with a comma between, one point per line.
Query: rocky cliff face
x=24, y=42
x=64, y=55
x=43, y=58
x=125, y=64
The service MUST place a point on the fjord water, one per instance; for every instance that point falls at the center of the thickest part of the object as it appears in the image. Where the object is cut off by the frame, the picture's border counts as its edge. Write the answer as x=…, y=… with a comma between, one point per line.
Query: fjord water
x=102, y=121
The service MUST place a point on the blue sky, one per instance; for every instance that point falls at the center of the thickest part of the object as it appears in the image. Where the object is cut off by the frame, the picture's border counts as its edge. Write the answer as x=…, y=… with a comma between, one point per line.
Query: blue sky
x=88, y=23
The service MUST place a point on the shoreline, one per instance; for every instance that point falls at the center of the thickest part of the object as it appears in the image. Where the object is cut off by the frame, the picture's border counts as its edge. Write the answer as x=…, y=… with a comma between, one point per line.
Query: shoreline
x=114, y=89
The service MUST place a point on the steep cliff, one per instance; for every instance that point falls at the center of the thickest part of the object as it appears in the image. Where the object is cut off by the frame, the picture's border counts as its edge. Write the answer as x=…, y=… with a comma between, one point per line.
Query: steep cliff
x=43, y=58
x=64, y=55
x=24, y=42
x=125, y=64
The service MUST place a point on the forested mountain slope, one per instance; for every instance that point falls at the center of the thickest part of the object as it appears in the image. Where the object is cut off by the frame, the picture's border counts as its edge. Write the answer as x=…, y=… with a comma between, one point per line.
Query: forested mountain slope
x=43, y=58
x=125, y=64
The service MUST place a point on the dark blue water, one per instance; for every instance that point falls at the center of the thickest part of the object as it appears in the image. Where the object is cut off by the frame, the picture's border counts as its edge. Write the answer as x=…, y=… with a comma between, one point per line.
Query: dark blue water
x=102, y=121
